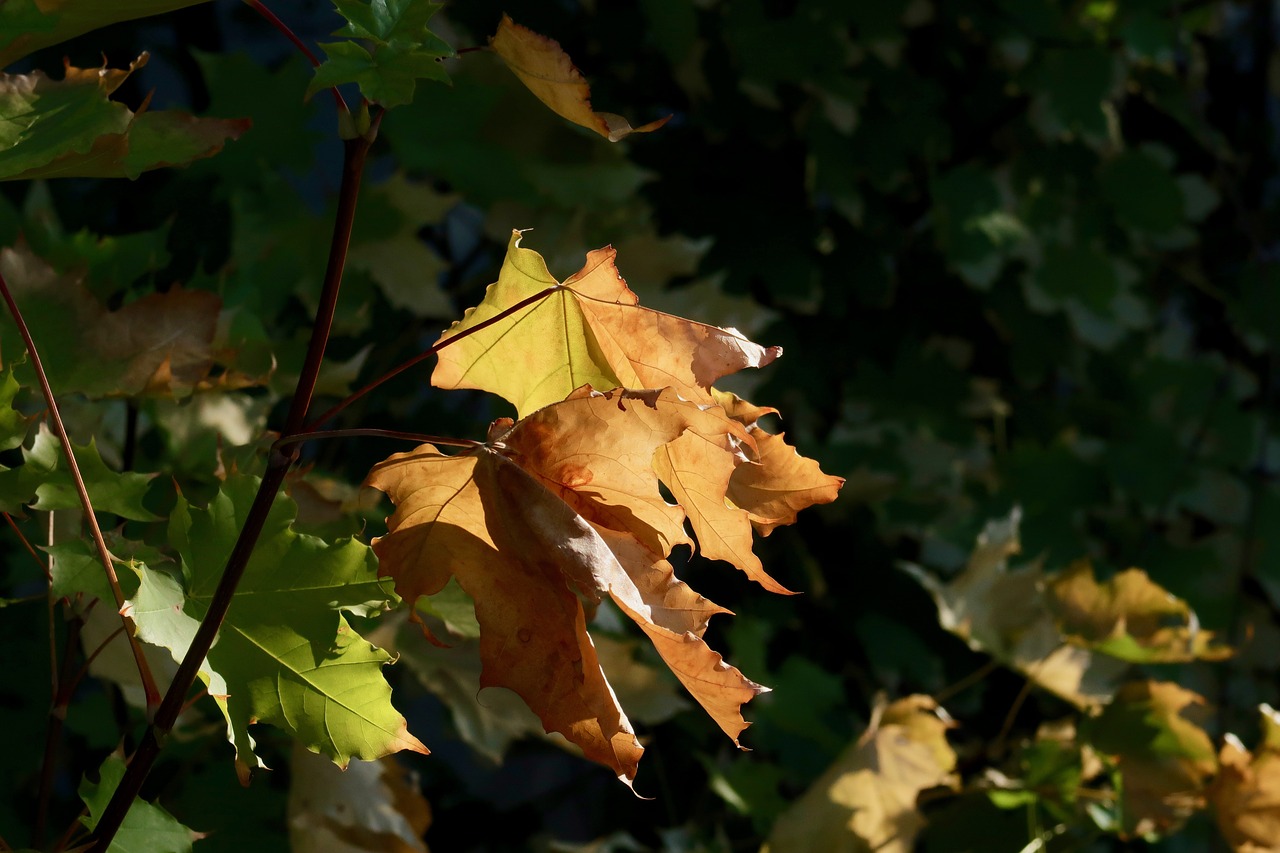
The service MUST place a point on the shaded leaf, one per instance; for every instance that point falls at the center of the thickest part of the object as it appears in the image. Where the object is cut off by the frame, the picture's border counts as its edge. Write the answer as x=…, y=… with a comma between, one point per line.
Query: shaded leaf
x=28, y=25
x=546, y=70
x=590, y=331
x=1246, y=792
x=561, y=504
x=1153, y=731
x=44, y=481
x=866, y=800
x=1128, y=617
x=164, y=344
x=146, y=826
x=370, y=806
x=70, y=128
x=284, y=655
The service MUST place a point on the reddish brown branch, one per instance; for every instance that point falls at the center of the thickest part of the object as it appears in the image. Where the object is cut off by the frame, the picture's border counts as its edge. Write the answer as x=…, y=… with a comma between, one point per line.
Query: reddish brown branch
x=270, y=17
x=355, y=152
x=427, y=353
x=144, y=671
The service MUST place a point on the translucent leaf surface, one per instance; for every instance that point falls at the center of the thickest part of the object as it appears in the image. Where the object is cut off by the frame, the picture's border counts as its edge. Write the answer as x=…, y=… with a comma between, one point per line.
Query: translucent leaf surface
x=285, y=655
x=544, y=67
x=590, y=331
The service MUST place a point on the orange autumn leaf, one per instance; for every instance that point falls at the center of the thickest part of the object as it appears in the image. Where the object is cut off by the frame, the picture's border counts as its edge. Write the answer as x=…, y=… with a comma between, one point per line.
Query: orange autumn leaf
x=561, y=505
x=591, y=330
x=1246, y=792
x=548, y=72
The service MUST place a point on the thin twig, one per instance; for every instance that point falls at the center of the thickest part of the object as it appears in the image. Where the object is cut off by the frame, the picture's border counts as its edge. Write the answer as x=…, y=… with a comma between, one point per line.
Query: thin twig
x=355, y=152
x=26, y=543
x=53, y=733
x=420, y=438
x=144, y=671
x=84, y=670
x=427, y=353
x=270, y=17
x=966, y=682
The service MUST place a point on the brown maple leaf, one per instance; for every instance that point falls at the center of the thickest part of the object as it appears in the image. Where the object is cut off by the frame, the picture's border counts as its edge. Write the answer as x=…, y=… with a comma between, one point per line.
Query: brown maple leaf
x=561, y=506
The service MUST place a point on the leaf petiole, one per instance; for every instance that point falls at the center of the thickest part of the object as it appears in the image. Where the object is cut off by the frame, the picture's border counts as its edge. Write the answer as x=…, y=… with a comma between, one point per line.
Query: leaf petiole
x=144, y=671
x=270, y=17
x=376, y=433
x=427, y=353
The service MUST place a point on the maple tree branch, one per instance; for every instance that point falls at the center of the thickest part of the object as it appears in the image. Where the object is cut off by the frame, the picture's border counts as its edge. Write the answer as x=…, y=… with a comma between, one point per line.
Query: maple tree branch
x=427, y=353
x=355, y=152
x=144, y=671
x=421, y=438
x=53, y=733
x=270, y=17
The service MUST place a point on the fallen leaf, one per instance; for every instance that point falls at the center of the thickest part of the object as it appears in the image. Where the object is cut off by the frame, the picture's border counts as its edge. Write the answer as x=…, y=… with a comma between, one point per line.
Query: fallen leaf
x=546, y=70
x=70, y=128
x=1154, y=733
x=590, y=331
x=372, y=806
x=562, y=504
x=1246, y=792
x=1128, y=617
x=866, y=800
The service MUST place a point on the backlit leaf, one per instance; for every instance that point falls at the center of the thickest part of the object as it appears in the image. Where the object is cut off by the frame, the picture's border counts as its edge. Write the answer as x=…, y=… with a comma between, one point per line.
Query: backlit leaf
x=70, y=128
x=284, y=655
x=1246, y=792
x=590, y=331
x=562, y=504
x=544, y=67
x=1128, y=617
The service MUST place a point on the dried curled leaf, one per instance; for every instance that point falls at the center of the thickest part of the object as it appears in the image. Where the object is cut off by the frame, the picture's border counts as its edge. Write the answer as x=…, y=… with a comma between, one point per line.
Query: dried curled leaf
x=546, y=70
x=590, y=331
x=1128, y=617
x=866, y=800
x=564, y=505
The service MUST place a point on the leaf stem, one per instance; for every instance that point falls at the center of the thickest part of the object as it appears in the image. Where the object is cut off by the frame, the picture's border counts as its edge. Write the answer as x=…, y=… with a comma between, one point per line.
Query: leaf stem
x=144, y=671
x=427, y=353
x=270, y=17
x=53, y=733
x=419, y=437
x=355, y=152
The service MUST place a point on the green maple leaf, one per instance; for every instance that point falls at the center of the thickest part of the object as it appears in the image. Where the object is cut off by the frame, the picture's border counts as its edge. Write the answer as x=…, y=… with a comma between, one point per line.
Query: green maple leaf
x=44, y=482
x=146, y=826
x=285, y=655
x=71, y=128
x=28, y=25
x=399, y=50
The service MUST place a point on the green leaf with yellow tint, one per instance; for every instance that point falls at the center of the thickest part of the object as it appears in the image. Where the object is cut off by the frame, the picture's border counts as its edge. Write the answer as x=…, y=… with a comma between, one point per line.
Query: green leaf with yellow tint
x=28, y=25
x=284, y=655
x=590, y=330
